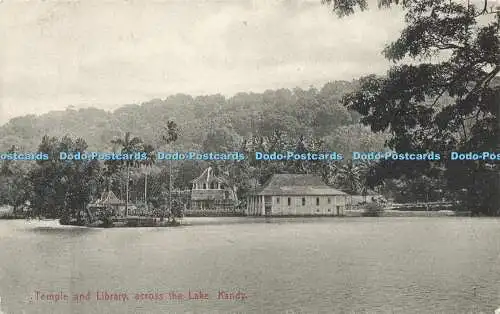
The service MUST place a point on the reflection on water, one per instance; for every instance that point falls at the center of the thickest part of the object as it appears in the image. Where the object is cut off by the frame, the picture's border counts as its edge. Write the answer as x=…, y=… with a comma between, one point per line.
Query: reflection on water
x=61, y=231
x=351, y=265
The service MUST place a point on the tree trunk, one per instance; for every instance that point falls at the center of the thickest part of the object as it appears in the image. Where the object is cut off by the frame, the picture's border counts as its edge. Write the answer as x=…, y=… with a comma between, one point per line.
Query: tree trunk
x=89, y=214
x=127, y=190
x=170, y=186
x=146, y=190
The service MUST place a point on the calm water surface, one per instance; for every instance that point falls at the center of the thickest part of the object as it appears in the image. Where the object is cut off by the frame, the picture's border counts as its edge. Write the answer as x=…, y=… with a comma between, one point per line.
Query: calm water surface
x=351, y=265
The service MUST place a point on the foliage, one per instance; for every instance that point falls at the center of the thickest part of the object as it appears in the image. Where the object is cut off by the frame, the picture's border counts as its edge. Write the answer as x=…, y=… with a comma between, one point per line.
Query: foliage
x=59, y=187
x=351, y=176
x=443, y=106
x=241, y=116
x=14, y=183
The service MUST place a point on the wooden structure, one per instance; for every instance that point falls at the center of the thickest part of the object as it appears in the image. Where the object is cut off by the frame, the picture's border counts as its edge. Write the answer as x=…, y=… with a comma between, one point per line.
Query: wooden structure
x=108, y=202
x=423, y=206
x=211, y=196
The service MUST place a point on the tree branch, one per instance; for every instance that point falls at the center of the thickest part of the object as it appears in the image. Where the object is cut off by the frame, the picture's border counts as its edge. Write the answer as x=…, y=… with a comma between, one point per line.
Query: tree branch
x=485, y=81
x=439, y=96
x=485, y=8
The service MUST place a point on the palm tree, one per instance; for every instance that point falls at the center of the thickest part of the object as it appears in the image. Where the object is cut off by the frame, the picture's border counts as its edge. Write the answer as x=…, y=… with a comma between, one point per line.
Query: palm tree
x=149, y=162
x=364, y=170
x=350, y=177
x=328, y=172
x=128, y=145
x=170, y=135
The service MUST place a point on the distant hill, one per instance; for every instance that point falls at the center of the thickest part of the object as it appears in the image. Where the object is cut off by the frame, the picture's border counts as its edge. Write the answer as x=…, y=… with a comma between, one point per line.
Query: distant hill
x=310, y=112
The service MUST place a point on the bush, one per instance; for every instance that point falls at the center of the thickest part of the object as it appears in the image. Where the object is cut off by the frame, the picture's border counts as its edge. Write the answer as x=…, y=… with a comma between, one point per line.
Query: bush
x=373, y=210
x=106, y=217
x=133, y=223
x=65, y=220
x=107, y=222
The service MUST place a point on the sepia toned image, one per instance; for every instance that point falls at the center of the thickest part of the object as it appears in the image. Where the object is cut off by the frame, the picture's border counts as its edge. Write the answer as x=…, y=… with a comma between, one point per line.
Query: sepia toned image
x=249, y=156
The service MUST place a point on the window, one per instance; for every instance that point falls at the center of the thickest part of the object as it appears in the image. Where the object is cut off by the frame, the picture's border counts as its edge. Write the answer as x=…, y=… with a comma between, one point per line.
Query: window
x=329, y=209
x=212, y=186
x=338, y=209
x=289, y=201
x=317, y=210
x=329, y=200
x=277, y=200
x=303, y=201
x=317, y=201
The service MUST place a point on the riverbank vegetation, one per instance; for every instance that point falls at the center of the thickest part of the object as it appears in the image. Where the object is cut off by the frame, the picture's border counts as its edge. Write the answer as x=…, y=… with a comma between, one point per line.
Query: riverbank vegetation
x=450, y=105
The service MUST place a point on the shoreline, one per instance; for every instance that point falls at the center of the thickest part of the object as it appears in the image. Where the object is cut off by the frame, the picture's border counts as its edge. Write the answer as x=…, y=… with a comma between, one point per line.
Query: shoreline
x=204, y=220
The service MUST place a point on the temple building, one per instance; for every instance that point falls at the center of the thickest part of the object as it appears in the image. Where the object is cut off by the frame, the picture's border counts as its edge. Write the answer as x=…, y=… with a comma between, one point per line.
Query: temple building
x=296, y=195
x=108, y=201
x=211, y=196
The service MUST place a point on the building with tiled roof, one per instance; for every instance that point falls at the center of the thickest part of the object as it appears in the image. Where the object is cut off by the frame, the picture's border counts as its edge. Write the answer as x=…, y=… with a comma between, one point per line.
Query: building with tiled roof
x=296, y=195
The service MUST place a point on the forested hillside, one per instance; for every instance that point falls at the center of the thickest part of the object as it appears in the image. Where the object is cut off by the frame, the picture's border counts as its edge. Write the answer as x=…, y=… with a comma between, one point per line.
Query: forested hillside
x=211, y=121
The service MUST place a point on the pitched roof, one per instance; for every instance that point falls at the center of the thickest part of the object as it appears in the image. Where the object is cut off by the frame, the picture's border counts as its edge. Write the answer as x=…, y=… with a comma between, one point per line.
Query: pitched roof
x=297, y=184
x=109, y=198
x=207, y=176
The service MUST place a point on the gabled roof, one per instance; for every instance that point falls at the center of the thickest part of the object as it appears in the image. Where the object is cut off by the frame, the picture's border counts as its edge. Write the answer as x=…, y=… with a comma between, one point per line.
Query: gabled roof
x=297, y=184
x=109, y=198
x=207, y=176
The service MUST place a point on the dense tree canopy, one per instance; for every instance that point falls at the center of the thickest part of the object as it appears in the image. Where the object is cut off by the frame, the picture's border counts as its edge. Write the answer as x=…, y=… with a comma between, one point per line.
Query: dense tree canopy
x=59, y=186
x=316, y=112
x=447, y=105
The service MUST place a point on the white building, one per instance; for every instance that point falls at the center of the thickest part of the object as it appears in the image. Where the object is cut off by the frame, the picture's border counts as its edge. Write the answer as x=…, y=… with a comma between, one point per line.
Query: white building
x=296, y=195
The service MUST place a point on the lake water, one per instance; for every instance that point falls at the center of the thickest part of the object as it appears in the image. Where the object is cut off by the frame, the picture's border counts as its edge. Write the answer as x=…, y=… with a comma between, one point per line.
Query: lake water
x=328, y=265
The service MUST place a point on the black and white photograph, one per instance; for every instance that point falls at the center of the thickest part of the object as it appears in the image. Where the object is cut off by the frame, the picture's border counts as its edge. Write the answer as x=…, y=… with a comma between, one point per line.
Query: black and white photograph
x=249, y=156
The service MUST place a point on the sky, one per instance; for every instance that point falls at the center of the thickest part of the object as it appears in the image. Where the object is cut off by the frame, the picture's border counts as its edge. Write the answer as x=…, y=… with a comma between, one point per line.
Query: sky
x=105, y=54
